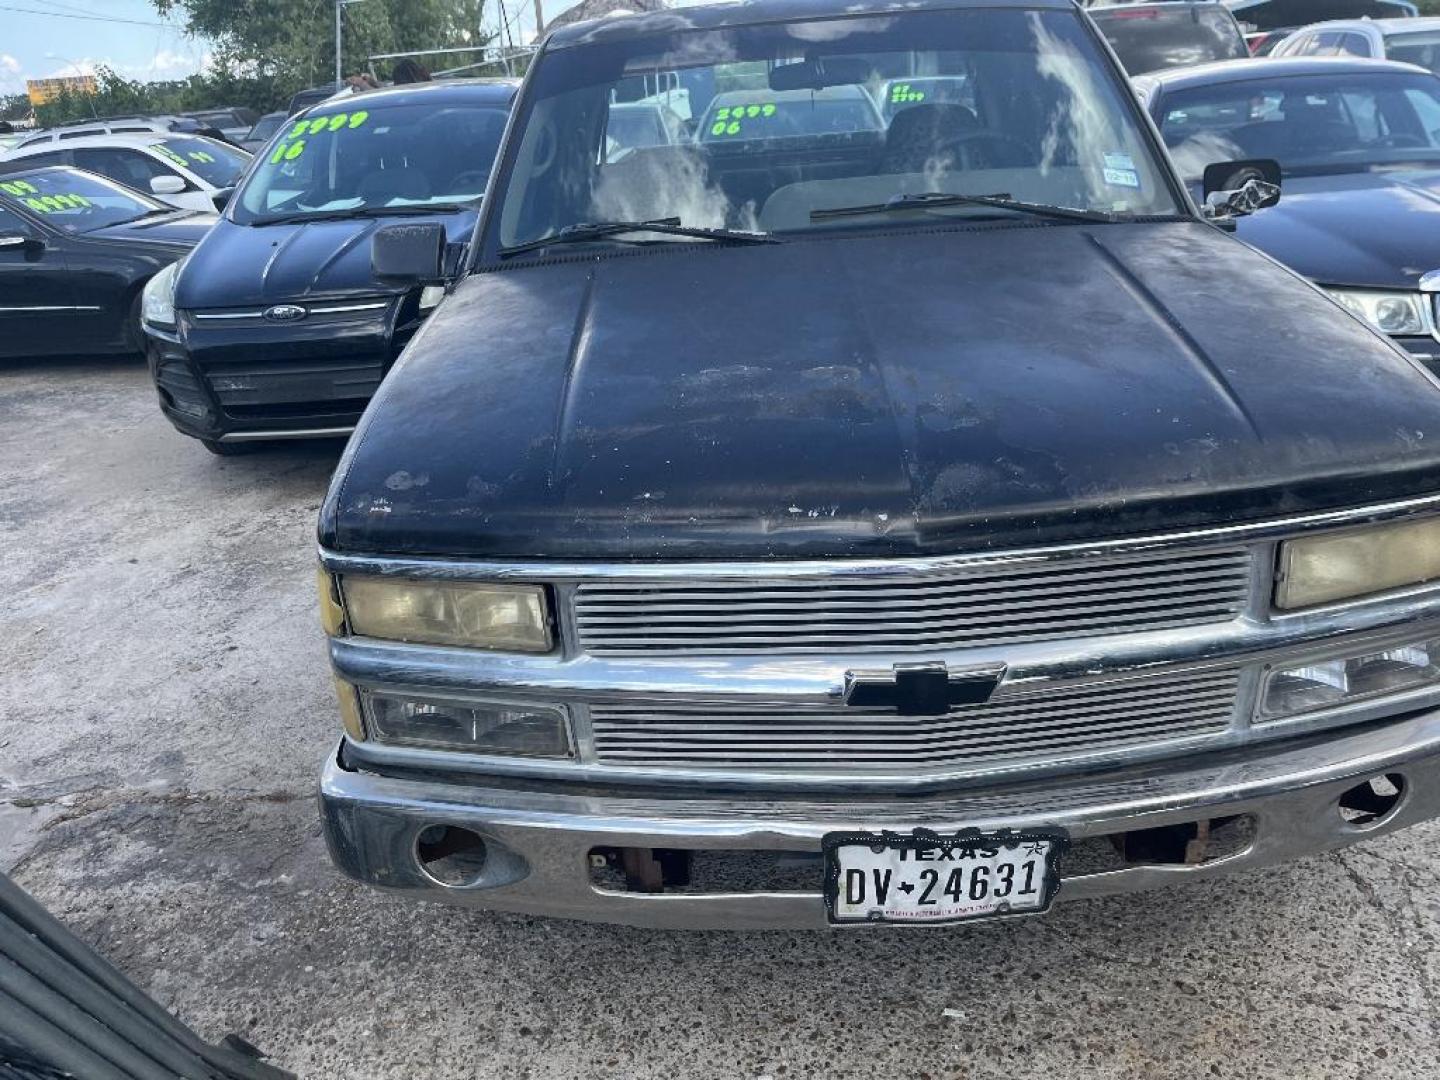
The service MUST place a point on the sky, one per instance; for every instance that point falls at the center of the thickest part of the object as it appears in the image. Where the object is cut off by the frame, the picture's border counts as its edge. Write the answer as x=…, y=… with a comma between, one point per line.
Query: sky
x=40, y=38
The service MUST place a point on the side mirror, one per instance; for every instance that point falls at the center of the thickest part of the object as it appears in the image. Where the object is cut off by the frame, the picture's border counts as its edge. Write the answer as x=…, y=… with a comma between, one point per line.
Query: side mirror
x=221, y=198
x=12, y=241
x=1233, y=175
x=1225, y=206
x=409, y=254
x=166, y=185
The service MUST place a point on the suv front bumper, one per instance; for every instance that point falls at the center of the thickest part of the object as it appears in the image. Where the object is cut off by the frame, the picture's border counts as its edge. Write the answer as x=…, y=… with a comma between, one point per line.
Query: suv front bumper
x=539, y=842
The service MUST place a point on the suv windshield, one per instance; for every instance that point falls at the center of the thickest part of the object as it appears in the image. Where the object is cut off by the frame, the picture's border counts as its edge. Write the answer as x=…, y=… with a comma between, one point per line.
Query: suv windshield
x=1308, y=123
x=217, y=163
x=786, y=121
x=372, y=157
x=77, y=201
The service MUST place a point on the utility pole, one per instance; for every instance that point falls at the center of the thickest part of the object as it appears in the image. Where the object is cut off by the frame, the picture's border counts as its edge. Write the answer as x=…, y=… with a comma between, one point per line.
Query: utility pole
x=339, y=71
x=539, y=21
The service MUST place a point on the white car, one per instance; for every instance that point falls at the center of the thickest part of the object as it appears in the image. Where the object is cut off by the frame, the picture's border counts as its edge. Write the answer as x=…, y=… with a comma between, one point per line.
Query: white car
x=187, y=171
x=1412, y=41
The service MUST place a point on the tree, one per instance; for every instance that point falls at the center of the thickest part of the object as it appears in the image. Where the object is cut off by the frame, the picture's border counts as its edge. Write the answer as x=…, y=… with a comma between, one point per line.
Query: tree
x=292, y=41
x=14, y=106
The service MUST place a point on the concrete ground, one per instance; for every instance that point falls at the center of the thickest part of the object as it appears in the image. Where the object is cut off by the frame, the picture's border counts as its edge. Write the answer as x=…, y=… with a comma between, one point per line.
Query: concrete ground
x=164, y=709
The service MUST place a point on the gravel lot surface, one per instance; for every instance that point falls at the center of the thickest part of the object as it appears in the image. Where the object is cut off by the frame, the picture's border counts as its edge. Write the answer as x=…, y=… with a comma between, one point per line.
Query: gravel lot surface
x=164, y=710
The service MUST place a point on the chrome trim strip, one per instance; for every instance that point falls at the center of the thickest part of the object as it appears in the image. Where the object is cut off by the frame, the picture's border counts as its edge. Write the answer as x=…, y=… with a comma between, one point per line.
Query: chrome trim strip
x=233, y=315
x=575, y=571
x=347, y=307
x=55, y=307
x=259, y=313
x=296, y=433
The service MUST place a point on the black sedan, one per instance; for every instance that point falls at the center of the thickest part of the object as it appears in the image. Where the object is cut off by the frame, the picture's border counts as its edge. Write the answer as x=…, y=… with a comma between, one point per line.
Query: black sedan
x=75, y=251
x=1358, y=143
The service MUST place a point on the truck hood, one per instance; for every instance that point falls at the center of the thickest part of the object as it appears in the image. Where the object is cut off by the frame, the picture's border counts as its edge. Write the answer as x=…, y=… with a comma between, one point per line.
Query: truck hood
x=250, y=265
x=1372, y=230
x=891, y=393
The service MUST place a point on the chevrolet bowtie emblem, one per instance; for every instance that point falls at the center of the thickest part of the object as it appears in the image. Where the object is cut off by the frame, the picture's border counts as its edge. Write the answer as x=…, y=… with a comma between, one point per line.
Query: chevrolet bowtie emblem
x=921, y=689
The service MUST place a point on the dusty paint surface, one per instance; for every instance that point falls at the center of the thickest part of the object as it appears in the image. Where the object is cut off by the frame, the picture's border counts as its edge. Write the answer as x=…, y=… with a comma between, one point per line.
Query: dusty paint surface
x=164, y=707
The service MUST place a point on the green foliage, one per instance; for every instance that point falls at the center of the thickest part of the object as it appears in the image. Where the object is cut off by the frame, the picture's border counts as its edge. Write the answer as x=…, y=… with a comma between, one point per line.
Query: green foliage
x=293, y=40
x=1428, y=7
x=14, y=106
x=266, y=50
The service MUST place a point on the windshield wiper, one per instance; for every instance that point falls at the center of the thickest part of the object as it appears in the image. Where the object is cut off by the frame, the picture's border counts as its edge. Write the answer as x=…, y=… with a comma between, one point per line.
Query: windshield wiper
x=358, y=212
x=670, y=226
x=928, y=200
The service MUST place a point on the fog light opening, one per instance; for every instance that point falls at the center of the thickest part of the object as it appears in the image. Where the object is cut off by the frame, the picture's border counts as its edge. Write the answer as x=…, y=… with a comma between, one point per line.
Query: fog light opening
x=1368, y=804
x=450, y=856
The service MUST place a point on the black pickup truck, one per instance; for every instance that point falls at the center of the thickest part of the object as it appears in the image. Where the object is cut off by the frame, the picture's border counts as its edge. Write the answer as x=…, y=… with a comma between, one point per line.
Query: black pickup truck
x=818, y=522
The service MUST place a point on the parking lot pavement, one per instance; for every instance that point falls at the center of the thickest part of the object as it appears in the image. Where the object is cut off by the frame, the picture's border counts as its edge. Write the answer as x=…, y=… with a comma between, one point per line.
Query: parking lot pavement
x=164, y=709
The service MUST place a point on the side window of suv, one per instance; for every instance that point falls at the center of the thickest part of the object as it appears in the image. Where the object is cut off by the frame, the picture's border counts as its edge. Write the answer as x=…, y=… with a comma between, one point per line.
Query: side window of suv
x=1326, y=44
x=35, y=161
x=12, y=223
x=129, y=167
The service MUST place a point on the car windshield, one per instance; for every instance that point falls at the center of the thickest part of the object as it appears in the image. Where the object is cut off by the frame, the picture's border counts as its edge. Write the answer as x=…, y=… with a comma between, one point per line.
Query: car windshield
x=265, y=127
x=369, y=158
x=788, y=124
x=1415, y=47
x=1308, y=123
x=217, y=163
x=77, y=201
x=1151, y=37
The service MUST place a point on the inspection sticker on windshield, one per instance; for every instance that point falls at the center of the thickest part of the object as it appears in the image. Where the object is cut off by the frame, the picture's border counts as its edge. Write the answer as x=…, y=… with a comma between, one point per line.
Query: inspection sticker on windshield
x=928, y=877
x=1120, y=171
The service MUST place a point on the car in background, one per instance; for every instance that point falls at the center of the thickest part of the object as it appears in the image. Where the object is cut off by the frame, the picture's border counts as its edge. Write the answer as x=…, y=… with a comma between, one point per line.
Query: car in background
x=1266, y=23
x=188, y=171
x=233, y=123
x=1358, y=145
x=305, y=99
x=11, y=139
x=263, y=131
x=1149, y=37
x=638, y=125
x=276, y=327
x=900, y=94
x=120, y=125
x=1410, y=41
x=76, y=249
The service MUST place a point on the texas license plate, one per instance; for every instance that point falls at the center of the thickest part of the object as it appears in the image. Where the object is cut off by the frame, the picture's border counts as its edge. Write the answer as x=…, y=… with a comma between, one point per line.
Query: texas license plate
x=929, y=877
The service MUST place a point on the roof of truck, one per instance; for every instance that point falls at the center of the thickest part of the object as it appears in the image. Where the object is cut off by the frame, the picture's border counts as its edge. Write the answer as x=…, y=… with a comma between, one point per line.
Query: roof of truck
x=750, y=12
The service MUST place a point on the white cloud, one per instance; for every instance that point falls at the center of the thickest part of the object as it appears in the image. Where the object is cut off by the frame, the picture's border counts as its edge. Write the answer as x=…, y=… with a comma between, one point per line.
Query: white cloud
x=12, y=78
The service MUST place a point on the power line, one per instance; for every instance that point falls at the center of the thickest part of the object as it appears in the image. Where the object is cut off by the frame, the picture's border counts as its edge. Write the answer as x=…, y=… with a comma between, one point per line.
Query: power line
x=90, y=18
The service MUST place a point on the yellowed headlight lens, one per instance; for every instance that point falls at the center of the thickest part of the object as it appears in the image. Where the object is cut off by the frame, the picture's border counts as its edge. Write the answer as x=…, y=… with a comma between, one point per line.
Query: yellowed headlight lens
x=349, y=709
x=510, y=618
x=332, y=615
x=1342, y=565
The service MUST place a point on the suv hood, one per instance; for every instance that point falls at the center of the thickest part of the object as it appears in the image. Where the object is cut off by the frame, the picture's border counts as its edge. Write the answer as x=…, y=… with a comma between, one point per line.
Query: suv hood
x=1375, y=230
x=248, y=265
x=883, y=394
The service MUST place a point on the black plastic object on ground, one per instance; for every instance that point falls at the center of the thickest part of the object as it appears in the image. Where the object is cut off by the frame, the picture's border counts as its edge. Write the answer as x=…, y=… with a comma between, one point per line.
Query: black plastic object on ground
x=66, y=1012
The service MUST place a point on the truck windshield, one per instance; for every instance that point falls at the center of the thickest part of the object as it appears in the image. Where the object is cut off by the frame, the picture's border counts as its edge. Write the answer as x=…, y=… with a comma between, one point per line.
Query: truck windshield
x=784, y=122
x=353, y=156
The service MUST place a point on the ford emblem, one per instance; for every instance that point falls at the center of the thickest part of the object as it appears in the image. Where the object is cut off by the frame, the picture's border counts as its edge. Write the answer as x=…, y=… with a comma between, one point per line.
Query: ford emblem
x=285, y=313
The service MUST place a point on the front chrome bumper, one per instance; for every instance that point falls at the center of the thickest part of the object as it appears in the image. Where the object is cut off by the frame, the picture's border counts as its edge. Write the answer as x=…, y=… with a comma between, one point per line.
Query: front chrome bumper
x=540, y=840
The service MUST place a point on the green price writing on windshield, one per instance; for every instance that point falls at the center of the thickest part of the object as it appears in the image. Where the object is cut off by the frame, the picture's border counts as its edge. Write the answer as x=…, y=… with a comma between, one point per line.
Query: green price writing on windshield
x=54, y=204
x=19, y=187
x=293, y=144
x=728, y=118
x=902, y=94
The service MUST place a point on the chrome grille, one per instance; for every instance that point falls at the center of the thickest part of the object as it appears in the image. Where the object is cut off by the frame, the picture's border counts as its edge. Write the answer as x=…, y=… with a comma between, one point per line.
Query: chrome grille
x=894, y=611
x=1054, y=724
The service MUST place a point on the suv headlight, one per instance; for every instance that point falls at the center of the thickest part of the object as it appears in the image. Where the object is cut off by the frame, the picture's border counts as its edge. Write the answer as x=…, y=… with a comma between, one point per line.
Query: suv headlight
x=1323, y=684
x=513, y=618
x=1340, y=565
x=1400, y=313
x=157, y=301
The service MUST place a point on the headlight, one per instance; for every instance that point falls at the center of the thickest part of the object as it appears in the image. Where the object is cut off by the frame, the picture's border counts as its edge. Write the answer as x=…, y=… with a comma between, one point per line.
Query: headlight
x=1403, y=314
x=478, y=727
x=157, y=301
x=513, y=618
x=1326, y=683
x=1335, y=566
